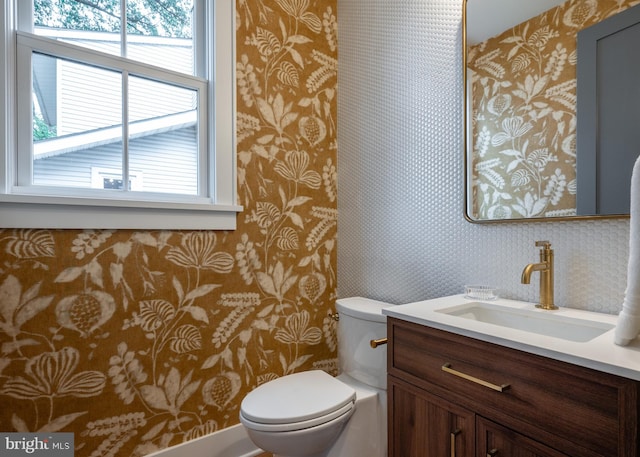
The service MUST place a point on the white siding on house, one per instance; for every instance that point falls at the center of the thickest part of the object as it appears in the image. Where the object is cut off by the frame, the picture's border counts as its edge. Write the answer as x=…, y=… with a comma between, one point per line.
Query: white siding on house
x=91, y=98
x=167, y=162
x=88, y=98
x=170, y=53
x=149, y=99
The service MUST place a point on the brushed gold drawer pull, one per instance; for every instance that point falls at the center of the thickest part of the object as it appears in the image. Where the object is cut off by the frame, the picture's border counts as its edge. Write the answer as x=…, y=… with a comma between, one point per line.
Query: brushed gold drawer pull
x=453, y=441
x=376, y=343
x=492, y=453
x=447, y=368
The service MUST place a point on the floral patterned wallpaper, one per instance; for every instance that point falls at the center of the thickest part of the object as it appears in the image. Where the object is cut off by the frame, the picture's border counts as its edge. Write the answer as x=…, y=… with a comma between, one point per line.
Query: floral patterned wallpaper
x=138, y=340
x=524, y=113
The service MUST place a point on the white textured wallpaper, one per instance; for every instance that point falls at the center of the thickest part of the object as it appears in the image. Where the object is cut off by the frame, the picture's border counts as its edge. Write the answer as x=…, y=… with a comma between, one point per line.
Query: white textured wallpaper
x=402, y=236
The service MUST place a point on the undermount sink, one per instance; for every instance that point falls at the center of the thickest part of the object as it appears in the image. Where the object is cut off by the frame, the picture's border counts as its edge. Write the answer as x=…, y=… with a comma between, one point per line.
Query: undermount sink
x=545, y=323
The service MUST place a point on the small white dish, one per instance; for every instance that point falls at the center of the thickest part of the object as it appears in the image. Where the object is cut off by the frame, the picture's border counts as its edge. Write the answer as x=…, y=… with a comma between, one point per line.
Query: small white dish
x=477, y=292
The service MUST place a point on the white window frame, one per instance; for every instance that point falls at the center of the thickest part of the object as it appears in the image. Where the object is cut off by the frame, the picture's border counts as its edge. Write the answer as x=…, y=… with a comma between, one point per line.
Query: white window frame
x=25, y=206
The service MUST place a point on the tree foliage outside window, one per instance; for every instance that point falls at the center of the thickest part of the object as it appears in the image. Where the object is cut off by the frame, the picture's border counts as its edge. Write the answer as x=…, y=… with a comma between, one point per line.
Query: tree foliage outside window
x=42, y=130
x=170, y=18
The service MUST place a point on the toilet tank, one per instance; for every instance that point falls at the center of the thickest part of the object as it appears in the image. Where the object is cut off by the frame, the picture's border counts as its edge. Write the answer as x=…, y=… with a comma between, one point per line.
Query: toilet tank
x=360, y=321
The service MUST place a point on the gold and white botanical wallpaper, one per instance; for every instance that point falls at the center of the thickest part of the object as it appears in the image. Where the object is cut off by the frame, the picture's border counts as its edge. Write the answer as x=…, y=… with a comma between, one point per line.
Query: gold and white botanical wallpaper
x=524, y=113
x=138, y=340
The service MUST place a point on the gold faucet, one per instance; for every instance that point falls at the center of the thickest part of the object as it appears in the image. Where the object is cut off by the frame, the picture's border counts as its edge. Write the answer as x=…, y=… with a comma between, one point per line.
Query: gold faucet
x=545, y=267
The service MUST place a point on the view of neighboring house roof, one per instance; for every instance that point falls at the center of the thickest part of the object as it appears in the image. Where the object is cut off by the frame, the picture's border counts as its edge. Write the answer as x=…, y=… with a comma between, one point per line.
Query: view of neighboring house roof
x=84, y=103
x=98, y=137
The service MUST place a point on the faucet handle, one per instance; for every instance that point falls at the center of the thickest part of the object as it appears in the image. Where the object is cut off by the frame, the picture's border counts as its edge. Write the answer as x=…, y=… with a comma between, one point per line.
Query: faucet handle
x=543, y=244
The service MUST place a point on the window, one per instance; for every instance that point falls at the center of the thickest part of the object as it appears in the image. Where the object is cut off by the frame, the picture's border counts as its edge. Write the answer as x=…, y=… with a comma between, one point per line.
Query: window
x=106, y=93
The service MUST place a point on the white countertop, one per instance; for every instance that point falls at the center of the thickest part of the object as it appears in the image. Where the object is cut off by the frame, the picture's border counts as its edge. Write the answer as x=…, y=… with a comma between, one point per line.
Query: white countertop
x=600, y=353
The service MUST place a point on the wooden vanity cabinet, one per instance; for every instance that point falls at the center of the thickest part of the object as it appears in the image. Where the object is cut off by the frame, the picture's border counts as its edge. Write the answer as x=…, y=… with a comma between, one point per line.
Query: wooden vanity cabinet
x=451, y=395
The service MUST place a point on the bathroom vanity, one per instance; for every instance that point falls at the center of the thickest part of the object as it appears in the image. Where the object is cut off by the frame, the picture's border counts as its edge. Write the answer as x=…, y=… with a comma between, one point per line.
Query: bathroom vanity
x=461, y=386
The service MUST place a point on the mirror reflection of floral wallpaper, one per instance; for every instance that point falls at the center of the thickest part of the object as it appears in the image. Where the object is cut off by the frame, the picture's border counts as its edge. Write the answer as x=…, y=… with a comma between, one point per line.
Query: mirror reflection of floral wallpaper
x=137, y=340
x=524, y=113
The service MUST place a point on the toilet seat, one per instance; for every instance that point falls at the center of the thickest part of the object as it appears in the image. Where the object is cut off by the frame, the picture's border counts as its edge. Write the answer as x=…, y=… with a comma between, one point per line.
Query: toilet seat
x=297, y=401
x=291, y=427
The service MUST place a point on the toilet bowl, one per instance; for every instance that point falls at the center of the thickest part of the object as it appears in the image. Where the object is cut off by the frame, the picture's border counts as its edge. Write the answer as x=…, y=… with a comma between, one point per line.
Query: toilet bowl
x=312, y=414
x=297, y=415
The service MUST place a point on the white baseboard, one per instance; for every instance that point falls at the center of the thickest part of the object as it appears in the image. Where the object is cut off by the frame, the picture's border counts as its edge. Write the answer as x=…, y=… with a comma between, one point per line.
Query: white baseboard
x=228, y=442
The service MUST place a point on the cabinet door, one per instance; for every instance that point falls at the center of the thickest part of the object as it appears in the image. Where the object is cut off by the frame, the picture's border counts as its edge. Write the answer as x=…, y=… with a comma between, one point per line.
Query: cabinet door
x=423, y=425
x=497, y=441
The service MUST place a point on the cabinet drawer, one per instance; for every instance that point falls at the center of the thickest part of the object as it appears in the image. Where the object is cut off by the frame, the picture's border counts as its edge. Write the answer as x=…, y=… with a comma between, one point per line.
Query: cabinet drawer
x=550, y=401
x=495, y=440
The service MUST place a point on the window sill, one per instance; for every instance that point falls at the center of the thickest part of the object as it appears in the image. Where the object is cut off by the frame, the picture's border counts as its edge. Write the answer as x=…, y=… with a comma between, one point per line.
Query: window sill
x=29, y=211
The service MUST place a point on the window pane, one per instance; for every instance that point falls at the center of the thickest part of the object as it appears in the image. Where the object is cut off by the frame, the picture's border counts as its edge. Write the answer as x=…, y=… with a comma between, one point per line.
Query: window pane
x=170, y=53
x=160, y=33
x=149, y=99
x=95, y=25
x=163, y=142
x=77, y=121
x=171, y=19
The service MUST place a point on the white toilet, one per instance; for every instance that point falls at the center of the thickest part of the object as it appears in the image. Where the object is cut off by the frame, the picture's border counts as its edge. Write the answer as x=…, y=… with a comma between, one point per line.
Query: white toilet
x=312, y=414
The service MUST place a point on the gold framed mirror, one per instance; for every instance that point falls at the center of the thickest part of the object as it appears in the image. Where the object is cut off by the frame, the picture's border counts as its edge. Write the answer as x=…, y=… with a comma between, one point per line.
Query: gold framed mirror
x=520, y=106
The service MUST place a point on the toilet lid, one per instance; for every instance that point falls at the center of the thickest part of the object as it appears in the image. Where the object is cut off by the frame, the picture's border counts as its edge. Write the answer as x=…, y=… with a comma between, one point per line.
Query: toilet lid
x=296, y=398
